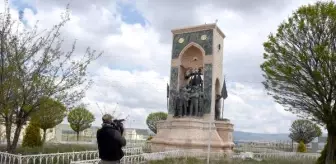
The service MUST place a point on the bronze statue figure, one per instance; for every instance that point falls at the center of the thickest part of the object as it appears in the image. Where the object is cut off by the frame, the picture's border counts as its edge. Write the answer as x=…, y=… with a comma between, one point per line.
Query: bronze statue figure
x=201, y=104
x=184, y=95
x=176, y=103
x=189, y=99
x=196, y=78
x=193, y=109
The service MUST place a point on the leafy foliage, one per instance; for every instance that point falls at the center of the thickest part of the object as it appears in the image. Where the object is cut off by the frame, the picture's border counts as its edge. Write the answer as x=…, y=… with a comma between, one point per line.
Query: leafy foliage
x=33, y=65
x=153, y=118
x=80, y=119
x=50, y=113
x=304, y=130
x=32, y=137
x=300, y=65
x=302, y=147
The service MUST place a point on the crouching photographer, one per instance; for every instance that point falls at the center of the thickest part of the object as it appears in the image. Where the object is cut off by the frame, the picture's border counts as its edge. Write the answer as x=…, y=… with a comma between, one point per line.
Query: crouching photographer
x=110, y=140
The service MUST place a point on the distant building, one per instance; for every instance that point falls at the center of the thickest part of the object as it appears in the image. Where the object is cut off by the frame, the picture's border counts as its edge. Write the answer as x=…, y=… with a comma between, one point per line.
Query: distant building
x=318, y=144
x=49, y=136
x=63, y=133
x=136, y=134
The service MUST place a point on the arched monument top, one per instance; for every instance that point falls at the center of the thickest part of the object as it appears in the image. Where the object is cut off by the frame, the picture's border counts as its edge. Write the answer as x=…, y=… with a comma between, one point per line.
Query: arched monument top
x=191, y=44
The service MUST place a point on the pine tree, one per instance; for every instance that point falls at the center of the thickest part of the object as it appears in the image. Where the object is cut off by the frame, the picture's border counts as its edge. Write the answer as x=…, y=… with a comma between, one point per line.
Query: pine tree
x=32, y=137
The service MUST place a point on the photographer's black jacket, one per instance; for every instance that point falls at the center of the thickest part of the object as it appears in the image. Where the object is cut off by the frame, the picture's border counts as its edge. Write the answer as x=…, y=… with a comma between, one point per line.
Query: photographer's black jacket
x=110, y=141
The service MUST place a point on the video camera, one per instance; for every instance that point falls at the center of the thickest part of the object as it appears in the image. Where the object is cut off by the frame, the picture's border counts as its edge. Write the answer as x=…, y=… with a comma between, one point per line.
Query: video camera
x=118, y=124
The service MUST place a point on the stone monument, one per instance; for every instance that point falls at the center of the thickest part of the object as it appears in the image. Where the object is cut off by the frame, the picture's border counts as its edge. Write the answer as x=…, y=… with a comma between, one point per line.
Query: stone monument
x=196, y=81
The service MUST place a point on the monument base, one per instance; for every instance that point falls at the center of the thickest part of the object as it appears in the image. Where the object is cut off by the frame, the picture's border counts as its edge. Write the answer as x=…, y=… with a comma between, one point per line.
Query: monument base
x=193, y=133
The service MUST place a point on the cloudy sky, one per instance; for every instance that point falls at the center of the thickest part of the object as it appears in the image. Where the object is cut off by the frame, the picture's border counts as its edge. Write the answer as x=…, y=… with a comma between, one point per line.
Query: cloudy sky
x=135, y=36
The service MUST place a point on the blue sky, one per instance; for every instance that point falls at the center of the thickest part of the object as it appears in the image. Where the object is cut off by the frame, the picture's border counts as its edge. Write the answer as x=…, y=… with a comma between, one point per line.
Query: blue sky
x=21, y=5
x=130, y=14
x=128, y=11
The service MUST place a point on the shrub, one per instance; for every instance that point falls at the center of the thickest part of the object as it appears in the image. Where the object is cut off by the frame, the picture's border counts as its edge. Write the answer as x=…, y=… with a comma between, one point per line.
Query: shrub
x=149, y=138
x=302, y=147
x=32, y=137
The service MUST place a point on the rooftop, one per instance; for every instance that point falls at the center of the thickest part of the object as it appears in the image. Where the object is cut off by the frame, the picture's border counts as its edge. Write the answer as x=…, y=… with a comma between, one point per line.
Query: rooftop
x=198, y=28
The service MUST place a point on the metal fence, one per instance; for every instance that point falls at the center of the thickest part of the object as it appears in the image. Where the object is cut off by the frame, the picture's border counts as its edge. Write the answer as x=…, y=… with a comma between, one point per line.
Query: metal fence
x=58, y=158
x=142, y=158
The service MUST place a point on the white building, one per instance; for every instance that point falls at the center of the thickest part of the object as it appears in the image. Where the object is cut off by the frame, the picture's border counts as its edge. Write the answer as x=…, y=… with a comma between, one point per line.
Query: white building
x=63, y=133
x=50, y=133
x=136, y=134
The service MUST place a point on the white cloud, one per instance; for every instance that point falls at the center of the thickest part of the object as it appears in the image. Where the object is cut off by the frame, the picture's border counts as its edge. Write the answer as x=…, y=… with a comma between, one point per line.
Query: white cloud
x=134, y=69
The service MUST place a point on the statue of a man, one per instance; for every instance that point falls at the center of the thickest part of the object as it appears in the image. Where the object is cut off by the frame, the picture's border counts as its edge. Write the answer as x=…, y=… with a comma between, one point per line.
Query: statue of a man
x=194, y=94
x=184, y=98
x=176, y=102
x=196, y=78
x=201, y=104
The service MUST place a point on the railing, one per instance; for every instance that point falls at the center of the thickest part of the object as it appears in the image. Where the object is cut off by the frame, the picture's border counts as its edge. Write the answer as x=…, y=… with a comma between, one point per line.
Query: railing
x=59, y=158
x=136, y=159
x=136, y=155
x=257, y=150
x=141, y=158
x=284, y=155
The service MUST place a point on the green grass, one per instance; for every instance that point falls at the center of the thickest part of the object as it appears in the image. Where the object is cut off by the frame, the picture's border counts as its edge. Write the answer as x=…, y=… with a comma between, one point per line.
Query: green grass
x=227, y=161
x=52, y=148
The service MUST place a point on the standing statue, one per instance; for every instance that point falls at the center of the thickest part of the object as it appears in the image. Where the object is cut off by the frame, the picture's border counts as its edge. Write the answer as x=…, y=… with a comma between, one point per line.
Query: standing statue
x=194, y=95
x=196, y=78
x=217, y=106
x=176, y=103
x=201, y=104
x=184, y=98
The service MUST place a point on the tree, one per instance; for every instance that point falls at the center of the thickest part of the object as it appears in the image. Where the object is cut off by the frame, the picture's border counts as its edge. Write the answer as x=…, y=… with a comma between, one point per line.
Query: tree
x=32, y=137
x=304, y=131
x=153, y=118
x=80, y=119
x=50, y=113
x=322, y=158
x=300, y=66
x=33, y=64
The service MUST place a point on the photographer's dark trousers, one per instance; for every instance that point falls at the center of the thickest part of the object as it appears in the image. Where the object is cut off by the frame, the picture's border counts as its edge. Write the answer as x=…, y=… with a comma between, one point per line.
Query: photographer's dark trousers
x=109, y=162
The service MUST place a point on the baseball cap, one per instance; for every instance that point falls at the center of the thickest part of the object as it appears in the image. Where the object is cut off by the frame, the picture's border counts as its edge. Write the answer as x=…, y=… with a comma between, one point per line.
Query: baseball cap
x=107, y=117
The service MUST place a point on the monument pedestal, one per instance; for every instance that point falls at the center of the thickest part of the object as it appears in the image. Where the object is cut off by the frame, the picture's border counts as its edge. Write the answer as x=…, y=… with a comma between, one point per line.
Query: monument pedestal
x=193, y=133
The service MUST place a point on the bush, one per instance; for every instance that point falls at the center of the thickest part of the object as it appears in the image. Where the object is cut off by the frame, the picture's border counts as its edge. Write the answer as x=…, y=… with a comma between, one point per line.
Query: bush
x=302, y=147
x=149, y=138
x=32, y=137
